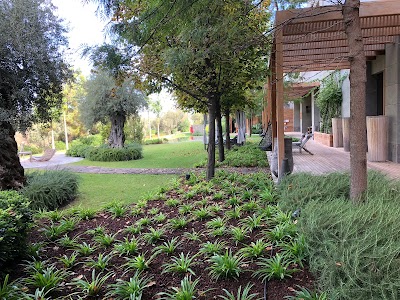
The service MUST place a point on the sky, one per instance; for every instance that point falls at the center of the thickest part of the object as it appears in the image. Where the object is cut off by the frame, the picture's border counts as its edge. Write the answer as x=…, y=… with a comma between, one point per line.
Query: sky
x=86, y=28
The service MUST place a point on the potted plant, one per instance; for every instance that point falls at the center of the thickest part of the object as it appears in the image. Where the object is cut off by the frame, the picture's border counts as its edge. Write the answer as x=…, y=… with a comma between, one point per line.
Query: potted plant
x=329, y=102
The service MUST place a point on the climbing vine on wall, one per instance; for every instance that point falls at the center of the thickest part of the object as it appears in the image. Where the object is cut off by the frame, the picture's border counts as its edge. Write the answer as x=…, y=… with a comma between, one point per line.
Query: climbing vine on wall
x=329, y=99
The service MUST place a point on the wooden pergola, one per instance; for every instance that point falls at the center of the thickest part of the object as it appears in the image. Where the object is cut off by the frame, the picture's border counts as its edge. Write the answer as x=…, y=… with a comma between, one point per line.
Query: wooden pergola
x=313, y=39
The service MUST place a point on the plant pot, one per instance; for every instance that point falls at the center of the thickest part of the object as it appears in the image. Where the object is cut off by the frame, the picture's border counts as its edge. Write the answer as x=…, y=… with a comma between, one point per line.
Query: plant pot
x=323, y=138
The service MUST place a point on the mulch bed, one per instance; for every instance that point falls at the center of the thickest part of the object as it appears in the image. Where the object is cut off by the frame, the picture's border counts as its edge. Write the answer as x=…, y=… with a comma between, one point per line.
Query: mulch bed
x=160, y=282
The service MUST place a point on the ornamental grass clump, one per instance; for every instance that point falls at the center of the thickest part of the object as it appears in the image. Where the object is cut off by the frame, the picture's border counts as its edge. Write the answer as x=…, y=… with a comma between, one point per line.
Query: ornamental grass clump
x=354, y=249
x=51, y=189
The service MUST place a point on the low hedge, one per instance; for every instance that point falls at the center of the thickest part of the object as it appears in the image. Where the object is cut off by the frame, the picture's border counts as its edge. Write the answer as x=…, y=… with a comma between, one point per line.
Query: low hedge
x=15, y=219
x=50, y=189
x=129, y=152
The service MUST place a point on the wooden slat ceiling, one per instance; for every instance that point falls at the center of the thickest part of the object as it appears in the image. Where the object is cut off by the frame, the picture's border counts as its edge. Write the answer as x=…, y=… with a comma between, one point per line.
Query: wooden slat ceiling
x=314, y=38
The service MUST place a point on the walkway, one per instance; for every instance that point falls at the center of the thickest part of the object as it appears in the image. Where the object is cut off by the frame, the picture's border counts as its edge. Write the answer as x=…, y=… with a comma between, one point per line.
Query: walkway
x=61, y=162
x=328, y=160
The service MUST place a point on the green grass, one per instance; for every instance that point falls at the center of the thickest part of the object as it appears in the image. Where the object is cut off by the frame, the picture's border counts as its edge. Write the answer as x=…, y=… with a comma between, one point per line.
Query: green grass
x=97, y=190
x=171, y=155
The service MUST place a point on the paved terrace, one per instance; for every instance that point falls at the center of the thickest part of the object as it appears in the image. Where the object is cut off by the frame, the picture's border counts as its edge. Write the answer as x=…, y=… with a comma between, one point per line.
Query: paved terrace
x=328, y=160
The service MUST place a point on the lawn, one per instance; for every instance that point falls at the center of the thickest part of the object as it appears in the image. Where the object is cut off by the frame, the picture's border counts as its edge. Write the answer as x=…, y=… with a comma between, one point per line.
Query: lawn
x=97, y=190
x=169, y=155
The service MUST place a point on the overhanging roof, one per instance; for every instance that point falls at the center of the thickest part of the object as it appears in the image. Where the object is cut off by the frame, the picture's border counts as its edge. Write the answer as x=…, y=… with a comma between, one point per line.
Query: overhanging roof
x=313, y=39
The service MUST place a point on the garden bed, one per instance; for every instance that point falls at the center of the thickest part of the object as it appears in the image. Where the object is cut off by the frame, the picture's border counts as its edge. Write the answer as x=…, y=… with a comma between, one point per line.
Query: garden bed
x=207, y=222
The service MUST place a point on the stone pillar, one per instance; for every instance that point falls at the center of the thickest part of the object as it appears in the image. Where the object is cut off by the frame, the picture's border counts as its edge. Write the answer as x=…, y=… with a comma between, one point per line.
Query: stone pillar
x=392, y=98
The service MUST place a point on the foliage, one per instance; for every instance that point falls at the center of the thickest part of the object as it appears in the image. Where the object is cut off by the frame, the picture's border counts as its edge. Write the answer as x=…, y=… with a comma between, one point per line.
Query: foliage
x=51, y=189
x=305, y=294
x=329, y=99
x=104, y=153
x=48, y=278
x=9, y=291
x=106, y=100
x=134, y=130
x=225, y=265
x=186, y=291
x=352, y=248
x=131, y=289
x=15, y=219
x=92, y=288
x=241, y=294
x=32, y=68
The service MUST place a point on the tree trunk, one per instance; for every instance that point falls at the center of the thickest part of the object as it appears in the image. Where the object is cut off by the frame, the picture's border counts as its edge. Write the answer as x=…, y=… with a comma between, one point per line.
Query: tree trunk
x=221, y=150
x=358, y=79
x=11, y=171
x=227, y=129
x=117, y=135
x=212, y=101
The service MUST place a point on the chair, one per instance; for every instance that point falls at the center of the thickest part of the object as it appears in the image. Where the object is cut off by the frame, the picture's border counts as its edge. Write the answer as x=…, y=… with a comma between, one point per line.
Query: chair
x=301, y=144
x=47, y=155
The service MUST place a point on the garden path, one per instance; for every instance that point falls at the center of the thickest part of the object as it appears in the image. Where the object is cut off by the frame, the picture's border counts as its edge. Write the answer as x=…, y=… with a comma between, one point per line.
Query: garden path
x=61, y=161
x=328, y=160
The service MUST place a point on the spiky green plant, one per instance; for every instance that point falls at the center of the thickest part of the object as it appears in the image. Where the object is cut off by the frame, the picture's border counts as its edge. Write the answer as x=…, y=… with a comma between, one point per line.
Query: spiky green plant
x=154, y=211
x=305, y=294
x=9, y=291
x=153, y=235
x=85, y=249
x=187, y=291
x=139, y=262
x=47, y=279
x=239, y=234
x=295, y=249
x=241, y=294
x=252, y=222
x=93, y=287
x=234, y=213
x=99, y=230
x=211, y=248
x=202, y=213
x=275, y=267
x=250, y=206
x=185, y=209
x=132, y=289
x=143, y=221
x=69, y=261
x=160, y=218
x=168, y=247
x=226, y=265
x=172, y=202
x=105, y=240
x=127, y=246
x=68, y=242
x=179, y=222
x=86, y=213
x=180, y=264
x=101, y=262
x=255, y=249
x=215, y=223
x=135, y=229
x=193, y=236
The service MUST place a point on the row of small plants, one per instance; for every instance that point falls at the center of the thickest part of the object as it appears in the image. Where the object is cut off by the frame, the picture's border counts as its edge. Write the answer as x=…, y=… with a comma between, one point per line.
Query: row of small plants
x=195, y=239
x=354, y=249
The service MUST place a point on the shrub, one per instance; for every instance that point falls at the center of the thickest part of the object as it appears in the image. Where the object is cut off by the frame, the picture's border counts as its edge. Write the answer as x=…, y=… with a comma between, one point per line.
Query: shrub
x=248, y=155
x=15, y=218
x=78, y=150
x=60, y=145
x=50, y=189
x=354, y=249
x=129, y=152
x=155, y=141
x=34, y=149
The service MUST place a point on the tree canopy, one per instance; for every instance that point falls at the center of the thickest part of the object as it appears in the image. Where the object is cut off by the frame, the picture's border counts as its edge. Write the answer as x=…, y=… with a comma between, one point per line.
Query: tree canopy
x=32, y=74
x=106, y=101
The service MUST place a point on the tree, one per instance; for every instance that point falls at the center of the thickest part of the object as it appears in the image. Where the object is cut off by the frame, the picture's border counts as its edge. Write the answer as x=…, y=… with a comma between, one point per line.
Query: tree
x=32, y=72
x=200, y=48
x=358, y=79
x=156, y=108
x=107, y=100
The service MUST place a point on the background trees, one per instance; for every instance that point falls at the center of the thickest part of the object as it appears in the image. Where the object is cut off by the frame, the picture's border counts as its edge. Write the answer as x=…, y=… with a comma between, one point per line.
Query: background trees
x=203, y=49
x=32, y=73
x=107, y=101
